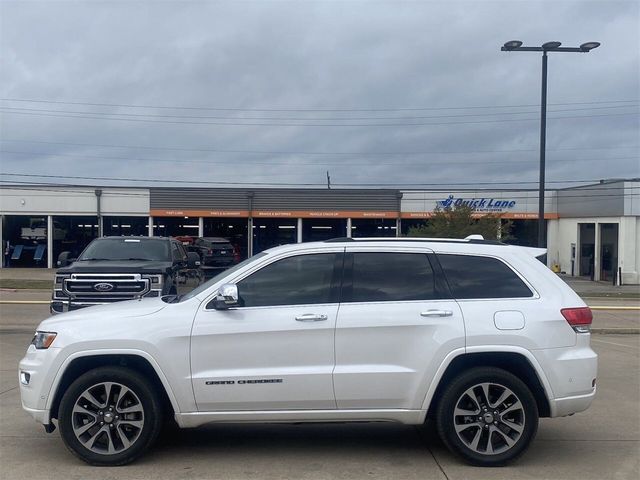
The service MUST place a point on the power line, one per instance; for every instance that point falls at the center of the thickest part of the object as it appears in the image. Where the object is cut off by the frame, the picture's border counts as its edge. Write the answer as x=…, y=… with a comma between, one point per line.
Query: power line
x=209, y=182
x=355, y=125
x=227, y=109
x=276, y=152
x=297, y=163
x=155, y=115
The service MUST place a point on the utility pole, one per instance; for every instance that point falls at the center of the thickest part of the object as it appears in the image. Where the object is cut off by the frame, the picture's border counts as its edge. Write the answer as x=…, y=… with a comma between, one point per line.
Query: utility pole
x=328, y=180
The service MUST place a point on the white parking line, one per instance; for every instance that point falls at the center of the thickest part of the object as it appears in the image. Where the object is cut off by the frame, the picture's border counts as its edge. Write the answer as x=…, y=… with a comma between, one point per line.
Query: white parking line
x=613, y=343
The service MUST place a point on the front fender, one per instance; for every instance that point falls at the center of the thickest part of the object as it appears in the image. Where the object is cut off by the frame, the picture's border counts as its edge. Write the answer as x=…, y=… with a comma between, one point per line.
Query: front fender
x=55, y=384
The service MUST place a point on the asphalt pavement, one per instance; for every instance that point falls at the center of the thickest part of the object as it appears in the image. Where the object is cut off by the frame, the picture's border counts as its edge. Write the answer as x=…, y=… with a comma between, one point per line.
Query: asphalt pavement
x=601, y=443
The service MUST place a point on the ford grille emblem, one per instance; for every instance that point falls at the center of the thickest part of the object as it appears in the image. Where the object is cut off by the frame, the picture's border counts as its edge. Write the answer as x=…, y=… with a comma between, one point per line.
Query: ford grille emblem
x=103, y=287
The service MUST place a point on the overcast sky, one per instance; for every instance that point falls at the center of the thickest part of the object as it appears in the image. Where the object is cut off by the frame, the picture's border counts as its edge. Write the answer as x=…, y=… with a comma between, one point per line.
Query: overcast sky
x=376, y=92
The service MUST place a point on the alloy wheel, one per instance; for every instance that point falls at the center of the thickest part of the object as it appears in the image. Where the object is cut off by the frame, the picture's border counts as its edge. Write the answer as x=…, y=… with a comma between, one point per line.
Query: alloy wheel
x=489, y=418
x=107, y=418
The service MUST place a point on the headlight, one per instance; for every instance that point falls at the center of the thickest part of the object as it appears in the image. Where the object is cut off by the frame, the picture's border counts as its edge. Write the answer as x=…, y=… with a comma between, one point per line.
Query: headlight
x=155, y=280
x=43, y=340
x=60, y=278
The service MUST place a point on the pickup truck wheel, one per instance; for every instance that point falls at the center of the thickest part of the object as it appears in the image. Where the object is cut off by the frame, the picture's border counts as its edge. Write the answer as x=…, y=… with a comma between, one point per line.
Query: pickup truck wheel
x=487, y=416
x=109, y=416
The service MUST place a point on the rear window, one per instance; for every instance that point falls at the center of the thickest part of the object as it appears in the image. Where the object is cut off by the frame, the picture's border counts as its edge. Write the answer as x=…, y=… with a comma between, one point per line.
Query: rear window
x=471, y=276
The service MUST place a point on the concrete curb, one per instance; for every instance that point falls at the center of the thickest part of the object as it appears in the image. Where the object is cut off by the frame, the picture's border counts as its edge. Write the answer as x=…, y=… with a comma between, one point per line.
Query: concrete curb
x=611, y=307
x=24, y=302
x=614, y=331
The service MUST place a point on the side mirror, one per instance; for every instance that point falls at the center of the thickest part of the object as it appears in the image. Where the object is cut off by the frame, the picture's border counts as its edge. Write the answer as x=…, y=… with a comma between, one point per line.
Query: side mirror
x=193, y=260
x=64, y=260
x=227, y=297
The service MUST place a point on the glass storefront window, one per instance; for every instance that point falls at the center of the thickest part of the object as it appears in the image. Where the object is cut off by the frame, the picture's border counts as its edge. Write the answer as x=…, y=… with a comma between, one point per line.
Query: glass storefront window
x=271, y=232
x=24, y=241
x=318, y=229
x=175, y=226
x=72, y=234
x=125, y=226
x=373, y=227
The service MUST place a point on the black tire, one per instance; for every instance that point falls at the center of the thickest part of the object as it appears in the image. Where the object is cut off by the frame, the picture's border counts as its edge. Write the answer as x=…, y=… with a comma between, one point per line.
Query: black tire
x=472, y=443
x=142, y=395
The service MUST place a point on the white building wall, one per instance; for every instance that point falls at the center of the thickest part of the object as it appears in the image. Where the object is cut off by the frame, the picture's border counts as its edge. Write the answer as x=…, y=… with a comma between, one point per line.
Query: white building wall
x=553, y=242
x=46, y=200
x=565, y=232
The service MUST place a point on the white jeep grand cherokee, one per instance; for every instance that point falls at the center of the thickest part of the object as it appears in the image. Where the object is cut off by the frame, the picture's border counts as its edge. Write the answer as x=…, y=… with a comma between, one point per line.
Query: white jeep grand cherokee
x=477, y=335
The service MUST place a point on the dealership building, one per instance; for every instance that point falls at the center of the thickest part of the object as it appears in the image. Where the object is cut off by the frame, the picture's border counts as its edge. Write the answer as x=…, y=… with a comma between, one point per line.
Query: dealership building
x=592, y=231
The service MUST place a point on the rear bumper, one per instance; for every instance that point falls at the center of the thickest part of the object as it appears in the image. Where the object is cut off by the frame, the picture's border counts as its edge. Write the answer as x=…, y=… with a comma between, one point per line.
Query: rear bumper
x=219, y=262
x=561, y=407
x=571, y=373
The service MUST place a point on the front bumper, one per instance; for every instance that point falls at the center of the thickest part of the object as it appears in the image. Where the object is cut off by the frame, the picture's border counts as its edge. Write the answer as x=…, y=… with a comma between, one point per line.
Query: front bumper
x=35, y=393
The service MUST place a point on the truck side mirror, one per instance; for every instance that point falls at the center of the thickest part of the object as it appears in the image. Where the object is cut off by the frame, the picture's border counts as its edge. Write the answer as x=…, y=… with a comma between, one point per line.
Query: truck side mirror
x=64, y=259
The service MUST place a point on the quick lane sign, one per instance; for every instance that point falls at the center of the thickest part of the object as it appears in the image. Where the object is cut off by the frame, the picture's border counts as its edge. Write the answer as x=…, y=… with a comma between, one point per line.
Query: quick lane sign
x=478, y=204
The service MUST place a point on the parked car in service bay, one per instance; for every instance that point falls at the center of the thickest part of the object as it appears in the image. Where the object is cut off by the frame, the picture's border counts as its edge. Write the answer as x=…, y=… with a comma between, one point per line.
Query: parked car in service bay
x=217, y=252
x=113, y=269
x=478, y=335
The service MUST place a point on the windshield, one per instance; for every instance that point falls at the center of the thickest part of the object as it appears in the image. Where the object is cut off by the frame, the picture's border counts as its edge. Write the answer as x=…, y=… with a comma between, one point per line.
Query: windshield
x=220, y=276
x=126, y=249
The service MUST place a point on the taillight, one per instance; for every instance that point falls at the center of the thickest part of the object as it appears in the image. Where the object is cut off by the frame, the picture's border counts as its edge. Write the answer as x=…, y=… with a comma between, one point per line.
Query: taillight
x=579, y=318
x=210, y=252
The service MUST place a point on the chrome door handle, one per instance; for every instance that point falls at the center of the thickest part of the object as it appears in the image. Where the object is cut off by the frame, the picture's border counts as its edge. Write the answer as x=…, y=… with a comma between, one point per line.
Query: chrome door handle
x=436, y=313
x=311, y=317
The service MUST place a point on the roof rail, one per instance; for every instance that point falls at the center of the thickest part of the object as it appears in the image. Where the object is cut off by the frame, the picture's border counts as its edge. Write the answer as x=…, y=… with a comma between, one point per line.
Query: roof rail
x=474, y=239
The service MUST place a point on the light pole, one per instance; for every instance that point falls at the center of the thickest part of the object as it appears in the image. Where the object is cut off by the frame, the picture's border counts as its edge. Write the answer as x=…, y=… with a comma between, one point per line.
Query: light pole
x=516, y=46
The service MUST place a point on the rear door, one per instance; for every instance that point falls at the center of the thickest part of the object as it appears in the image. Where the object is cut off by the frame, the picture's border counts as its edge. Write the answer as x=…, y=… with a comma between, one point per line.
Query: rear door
x=395, y=325
x=500, y=307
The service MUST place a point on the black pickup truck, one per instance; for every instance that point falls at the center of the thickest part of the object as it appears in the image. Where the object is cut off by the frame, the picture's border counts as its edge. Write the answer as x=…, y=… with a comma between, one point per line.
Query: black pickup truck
x=112, y=269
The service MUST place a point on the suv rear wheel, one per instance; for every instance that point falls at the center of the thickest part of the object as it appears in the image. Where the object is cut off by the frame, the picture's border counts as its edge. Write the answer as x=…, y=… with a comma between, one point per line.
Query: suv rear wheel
x=109, y=416
x=487, y=416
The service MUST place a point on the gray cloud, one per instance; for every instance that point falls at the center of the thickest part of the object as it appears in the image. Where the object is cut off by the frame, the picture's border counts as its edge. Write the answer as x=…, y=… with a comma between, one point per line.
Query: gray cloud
x=318, y=55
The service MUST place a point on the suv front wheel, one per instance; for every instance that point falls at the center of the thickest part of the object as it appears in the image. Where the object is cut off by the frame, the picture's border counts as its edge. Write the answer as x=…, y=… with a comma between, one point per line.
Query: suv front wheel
x=487, y=416
x=109, y=416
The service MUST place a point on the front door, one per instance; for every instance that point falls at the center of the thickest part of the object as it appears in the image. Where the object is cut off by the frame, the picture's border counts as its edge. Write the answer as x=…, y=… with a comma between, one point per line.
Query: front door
x=276, y=350
x=396, y=324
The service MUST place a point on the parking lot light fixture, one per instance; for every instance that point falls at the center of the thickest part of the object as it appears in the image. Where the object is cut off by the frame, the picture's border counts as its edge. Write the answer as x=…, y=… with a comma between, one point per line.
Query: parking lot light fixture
x=551, y=45
x=588, y=46
x=512, y=44
x=547, y=47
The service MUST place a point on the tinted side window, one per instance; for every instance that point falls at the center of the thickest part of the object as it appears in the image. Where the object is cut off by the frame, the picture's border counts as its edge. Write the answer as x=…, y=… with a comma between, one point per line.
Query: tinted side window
x=390, y=277
x=471, y=276
x=299, y=280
